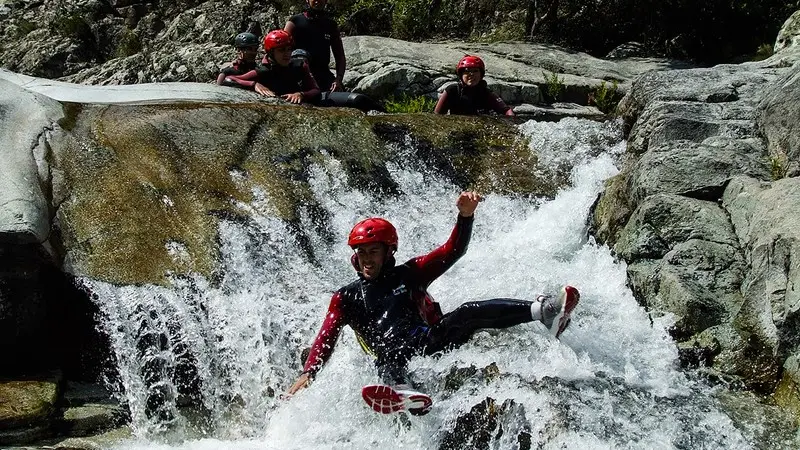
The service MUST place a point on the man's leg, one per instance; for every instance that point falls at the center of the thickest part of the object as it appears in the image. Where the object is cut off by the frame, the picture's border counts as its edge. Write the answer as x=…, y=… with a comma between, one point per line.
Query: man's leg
x=457, y=326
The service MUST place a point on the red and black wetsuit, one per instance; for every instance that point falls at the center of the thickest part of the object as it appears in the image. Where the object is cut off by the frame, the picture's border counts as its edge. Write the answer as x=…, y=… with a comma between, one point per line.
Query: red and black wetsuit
x=459, y=98
x=315, y=32
x=278, y=79
x=237, y=67
x=395, y=318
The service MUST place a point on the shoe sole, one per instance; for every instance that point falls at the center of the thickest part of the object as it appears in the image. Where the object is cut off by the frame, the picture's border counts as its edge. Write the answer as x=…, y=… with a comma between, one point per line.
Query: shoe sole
x=386, y=400
x=571, y=297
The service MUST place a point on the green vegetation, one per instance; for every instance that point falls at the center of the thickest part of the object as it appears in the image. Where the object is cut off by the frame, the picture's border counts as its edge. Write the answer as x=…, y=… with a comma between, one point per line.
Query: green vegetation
x=129, y=44
x=554, y=86
x=707, y=32
x=73, y=25
x=409, y=104
x=778, y=166
x=24, y=27
x=764, y=51
x=606, y=97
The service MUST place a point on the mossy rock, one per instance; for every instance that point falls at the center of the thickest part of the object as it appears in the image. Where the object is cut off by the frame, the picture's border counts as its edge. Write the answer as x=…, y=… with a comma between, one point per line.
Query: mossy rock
x=144, y=187
x=25, y=403
x=610, y=212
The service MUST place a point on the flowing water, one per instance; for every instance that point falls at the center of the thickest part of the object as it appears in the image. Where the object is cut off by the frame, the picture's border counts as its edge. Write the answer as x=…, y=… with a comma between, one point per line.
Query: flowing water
x=612, y=381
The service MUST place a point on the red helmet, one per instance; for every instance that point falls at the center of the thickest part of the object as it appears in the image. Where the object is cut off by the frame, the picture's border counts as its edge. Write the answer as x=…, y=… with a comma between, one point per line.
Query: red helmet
x=277, y=39
x=373, y=229
x=468, y=62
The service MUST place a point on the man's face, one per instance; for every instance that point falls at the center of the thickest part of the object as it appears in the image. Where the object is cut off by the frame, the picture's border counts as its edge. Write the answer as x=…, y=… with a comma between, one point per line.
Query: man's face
x=371, y=258
x=283, y=55
x=317, y=4
x=246, y=53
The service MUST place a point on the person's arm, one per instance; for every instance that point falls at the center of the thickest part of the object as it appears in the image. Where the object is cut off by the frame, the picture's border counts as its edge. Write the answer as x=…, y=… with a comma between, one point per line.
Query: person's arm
x=309, y=84
x=441, y=105
x=323, y=345
x=337, y=47
x=498, y=105
x=429, y=267
x=289, y=27
x=221, y=78
x=246, y=80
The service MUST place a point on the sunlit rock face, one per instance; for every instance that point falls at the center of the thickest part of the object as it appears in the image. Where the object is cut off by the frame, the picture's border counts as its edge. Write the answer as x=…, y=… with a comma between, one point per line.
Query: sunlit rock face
x=699, y=211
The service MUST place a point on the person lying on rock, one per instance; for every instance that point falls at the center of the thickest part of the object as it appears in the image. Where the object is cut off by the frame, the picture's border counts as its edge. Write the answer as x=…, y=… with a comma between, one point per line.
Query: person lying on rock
x=246, y=45
x=276, y=76
x=316, y=32
x=339, y=99
x=394, y=317
x=470, y=95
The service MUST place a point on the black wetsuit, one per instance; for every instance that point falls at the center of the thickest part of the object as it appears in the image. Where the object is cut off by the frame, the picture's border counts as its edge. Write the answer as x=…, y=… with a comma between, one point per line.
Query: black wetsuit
x=395, y=318
x=461, y=99
x=278, y=79
x=314, y=31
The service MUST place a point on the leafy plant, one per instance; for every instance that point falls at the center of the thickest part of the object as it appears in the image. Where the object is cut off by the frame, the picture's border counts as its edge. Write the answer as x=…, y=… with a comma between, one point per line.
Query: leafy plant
x=606, y=97
x=129, y=44
x=778, y=167
x=554, y=86
x=764, y=51
x=409, y=104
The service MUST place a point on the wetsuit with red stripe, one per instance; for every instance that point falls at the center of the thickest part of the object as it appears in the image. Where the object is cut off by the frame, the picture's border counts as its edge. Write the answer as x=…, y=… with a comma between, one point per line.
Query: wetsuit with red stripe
x=395, y=318
x=278, y=79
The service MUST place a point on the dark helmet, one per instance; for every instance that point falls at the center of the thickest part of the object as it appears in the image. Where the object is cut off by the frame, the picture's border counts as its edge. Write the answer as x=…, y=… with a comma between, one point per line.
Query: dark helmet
x=469, y=62
x=277, y=39
x=371, y=230
x=300, y=54
x=245, y=40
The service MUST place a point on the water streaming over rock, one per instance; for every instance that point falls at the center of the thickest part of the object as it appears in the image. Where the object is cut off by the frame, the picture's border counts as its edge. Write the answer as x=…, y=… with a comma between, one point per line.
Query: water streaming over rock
x=230, y=346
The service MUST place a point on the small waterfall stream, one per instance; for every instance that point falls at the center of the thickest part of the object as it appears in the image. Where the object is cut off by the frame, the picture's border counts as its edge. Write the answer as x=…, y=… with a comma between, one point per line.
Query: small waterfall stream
x=231, y=346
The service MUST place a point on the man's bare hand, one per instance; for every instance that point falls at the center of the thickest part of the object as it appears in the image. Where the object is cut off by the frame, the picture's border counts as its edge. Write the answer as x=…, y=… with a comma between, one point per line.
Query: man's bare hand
x=467, y=203
x=336, y=86
x=295, y=98
x=302, y=382
x=261, y=89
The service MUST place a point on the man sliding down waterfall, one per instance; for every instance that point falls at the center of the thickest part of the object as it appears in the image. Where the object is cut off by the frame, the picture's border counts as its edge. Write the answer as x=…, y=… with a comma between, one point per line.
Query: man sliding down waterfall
x=395, y=318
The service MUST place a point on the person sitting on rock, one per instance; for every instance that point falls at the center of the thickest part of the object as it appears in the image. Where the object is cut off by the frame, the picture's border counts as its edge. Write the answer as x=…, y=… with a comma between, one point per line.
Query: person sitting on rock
x=470, y=95
x=246, y=45
x=316, y=32
x=276, y=76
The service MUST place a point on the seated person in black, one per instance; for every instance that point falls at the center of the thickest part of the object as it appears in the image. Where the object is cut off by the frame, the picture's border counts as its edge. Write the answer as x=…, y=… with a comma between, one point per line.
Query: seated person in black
x=277, y=76
x=246, y=45
x=315, y=32
x=339, y=99
x=470, y=95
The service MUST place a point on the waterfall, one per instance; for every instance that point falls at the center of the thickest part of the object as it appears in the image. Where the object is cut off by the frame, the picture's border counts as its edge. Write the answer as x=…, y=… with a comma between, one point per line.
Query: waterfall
x=231, y=346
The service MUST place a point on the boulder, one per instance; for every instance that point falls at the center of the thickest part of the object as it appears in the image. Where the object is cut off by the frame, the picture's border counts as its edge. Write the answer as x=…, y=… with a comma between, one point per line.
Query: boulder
x=27, y=404
x=700, y=170
x=779, y=122
x=789, y=34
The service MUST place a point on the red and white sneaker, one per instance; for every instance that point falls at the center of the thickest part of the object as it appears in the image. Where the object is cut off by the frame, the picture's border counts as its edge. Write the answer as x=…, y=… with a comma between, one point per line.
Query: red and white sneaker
x=387, y=399
x=556, y=312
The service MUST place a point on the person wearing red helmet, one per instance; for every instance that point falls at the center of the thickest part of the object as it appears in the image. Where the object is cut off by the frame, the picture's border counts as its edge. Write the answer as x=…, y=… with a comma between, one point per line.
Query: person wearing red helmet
x=317, y=33
x=276, y=76
x=394, y=317
x=470, y=95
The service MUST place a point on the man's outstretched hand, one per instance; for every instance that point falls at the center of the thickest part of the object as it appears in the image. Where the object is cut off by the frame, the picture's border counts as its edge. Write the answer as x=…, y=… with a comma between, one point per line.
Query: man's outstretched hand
x=467, y=203
x=301, y=383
